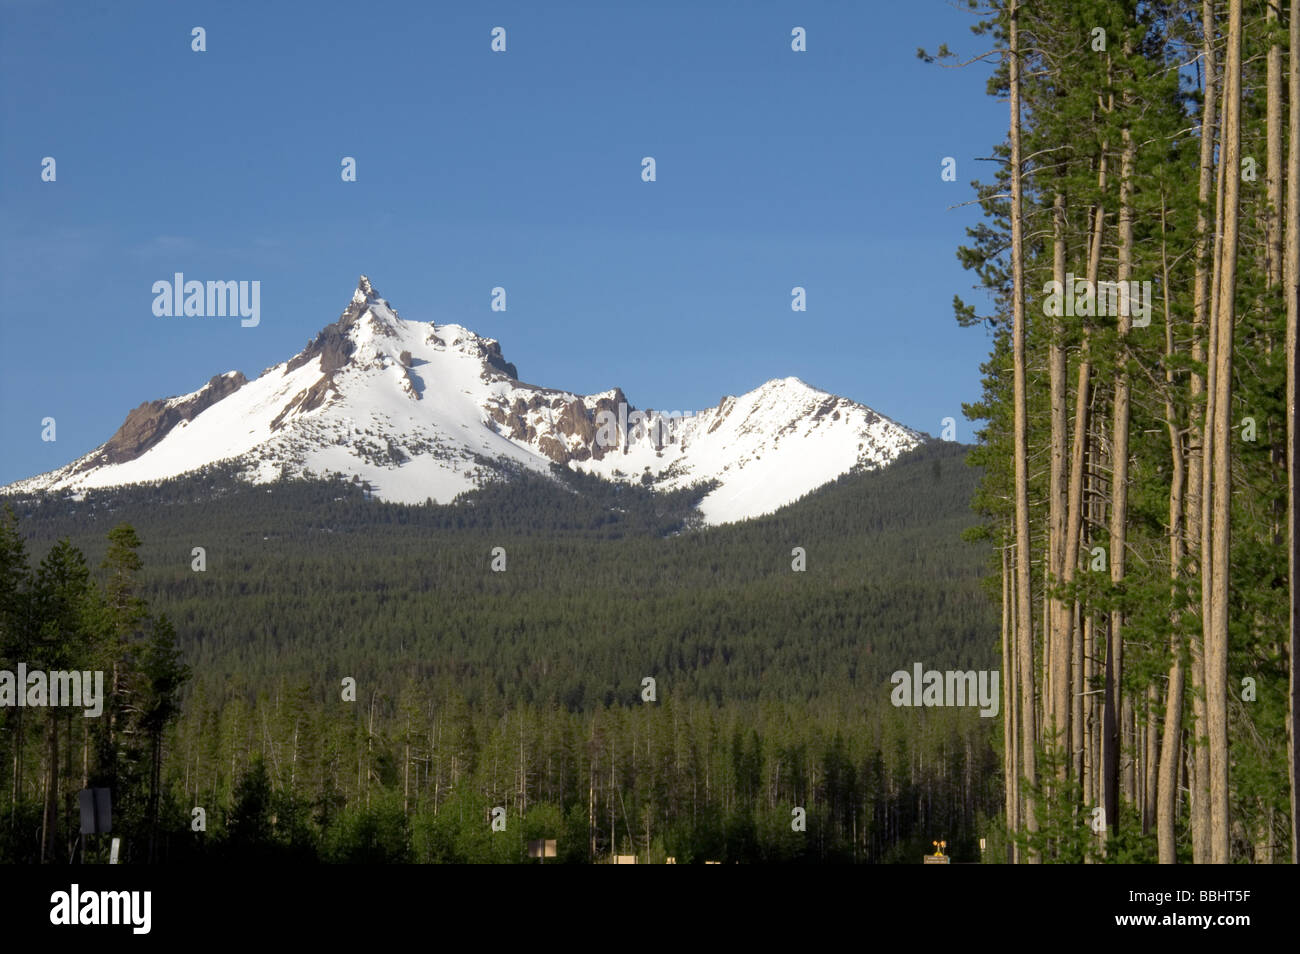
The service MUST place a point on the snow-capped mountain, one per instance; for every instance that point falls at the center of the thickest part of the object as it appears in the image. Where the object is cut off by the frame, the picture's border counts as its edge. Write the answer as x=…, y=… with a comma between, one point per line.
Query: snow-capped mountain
x=429, y=411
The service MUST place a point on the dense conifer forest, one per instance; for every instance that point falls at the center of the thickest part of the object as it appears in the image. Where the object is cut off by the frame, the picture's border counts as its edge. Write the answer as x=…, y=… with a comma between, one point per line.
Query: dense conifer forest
x=521, y=687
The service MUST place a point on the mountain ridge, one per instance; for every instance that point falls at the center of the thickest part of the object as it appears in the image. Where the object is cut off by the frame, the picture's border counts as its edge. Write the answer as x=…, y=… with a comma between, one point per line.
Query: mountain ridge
x=425, y=410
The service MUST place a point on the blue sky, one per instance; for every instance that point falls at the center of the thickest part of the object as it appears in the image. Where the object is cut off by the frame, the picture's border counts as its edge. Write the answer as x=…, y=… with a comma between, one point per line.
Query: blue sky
x=476, y=169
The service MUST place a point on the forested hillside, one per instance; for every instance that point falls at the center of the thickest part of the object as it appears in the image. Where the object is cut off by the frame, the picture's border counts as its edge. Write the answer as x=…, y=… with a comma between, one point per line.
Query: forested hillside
x=524, y=687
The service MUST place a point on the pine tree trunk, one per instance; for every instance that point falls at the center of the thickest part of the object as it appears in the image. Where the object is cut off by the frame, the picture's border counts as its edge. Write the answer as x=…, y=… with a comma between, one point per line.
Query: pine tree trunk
x=1059, y=615
x=1010, y=755
x=1216, y=633
x=1092, y=778
x=1149, y=763
x=1109, y=737
x=1119, y=487
x=1199, y=439
x=1024, y=610
x=50, y=816
x=1171, y=740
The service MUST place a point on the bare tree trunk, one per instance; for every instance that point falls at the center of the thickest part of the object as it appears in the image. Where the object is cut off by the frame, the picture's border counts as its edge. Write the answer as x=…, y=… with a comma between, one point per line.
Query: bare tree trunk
x=1119, y=488
x=1010, y=755
x=1108, y=750
x=1059, y=615
x=1092, y=628
x=1216, y=633
x=50, y=816
x=1109, y=737
x=1149, y=763
x=1024, y=609
x=1198, y=441
x=1092, y=778
x=1045, y=692
x=1171, y=742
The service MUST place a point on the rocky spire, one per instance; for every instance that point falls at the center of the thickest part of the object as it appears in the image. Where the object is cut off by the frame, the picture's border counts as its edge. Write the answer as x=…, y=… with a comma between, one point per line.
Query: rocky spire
x=365, y=291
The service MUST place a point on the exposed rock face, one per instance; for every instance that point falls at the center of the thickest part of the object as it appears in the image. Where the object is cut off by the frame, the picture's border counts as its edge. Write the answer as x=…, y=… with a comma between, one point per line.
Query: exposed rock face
x=489, y=349
x=563, y=421
x=332, y=345
x=586, y=427
x=495, y=358
x=725, y=405
x=151, y=421
x=307, y=400
x=512, y=418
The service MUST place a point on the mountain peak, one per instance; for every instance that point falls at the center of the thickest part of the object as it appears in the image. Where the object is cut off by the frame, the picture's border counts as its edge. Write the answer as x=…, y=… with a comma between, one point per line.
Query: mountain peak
x=425, y=412
x=365, y=291
x=367, y=313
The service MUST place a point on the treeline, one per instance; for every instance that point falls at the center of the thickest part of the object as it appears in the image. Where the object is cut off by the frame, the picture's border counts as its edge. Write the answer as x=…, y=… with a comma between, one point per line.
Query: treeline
x=312, y=583
x=367, y=687
x=1138, y=438
x=410, y=778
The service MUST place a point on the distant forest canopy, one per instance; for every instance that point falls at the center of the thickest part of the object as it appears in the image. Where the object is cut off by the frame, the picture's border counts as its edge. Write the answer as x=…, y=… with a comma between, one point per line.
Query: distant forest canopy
x=525, y=688
x=310, y=580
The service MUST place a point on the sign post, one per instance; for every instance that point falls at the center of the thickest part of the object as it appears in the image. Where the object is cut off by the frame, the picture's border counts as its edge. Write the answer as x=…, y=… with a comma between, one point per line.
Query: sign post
x=96, y=811
x=96, y=806
x=938, y=858
x=542, y=848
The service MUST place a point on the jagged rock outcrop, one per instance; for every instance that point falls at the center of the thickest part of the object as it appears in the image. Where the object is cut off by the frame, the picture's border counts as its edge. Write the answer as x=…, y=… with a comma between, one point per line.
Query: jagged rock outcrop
x=151, y=421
